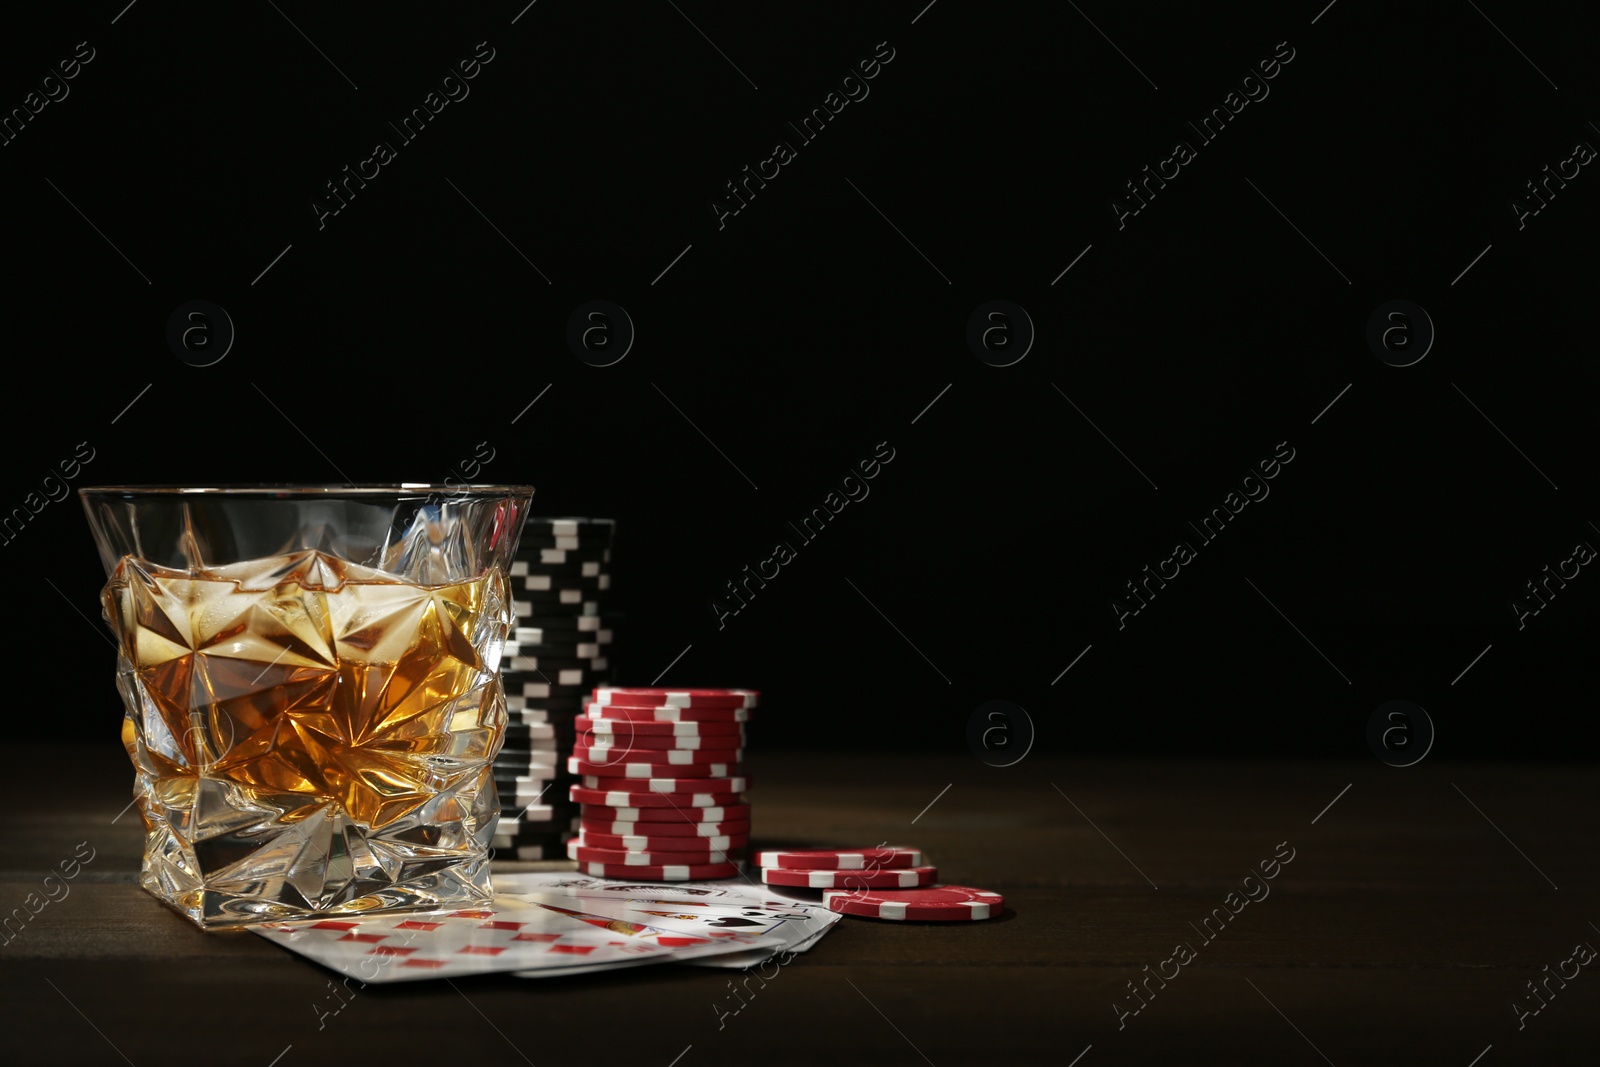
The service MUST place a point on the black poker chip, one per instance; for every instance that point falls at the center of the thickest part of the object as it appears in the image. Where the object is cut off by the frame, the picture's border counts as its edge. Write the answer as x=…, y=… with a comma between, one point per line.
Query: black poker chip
x=551, y=689
x=530, y=662
x=545, y=581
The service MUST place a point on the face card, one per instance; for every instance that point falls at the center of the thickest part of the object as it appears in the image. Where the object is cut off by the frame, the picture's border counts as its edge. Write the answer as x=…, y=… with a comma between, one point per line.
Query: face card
x=706, y=909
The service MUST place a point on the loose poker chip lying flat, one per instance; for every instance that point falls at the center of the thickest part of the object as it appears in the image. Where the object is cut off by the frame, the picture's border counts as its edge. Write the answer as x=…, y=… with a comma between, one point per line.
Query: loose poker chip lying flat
x=635, y=843
x=693, y=872
x=618, y=798
x=945, y=903
x=625, y=727
x=719, y=784
x=609, y=755
x=822, y=859
x=905, y=878
x=627, y=858
x=676, y=698
x=662, y=742
x=733, y=829
x=632, y=768
x=664, y=713
x=727, y=813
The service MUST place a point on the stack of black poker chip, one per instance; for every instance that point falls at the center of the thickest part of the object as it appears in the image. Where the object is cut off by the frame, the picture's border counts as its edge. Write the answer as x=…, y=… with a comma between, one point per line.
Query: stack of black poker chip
x=555, y=655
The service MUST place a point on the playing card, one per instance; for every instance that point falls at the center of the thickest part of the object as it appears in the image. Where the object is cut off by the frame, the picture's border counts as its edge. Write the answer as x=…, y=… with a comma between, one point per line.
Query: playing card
x=509, y=935
x=705, y=909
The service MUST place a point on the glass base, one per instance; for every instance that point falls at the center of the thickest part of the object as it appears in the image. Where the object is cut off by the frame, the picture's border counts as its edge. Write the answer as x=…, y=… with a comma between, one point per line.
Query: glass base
x=211, y=909
x=223, y=855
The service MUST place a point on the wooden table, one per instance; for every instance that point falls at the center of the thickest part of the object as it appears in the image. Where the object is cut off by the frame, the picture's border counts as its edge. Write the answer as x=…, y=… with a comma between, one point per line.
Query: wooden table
x=1402, y=931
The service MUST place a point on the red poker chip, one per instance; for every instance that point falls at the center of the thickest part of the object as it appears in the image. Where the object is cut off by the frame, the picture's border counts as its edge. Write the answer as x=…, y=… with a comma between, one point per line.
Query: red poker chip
x=673, y=757
x=664, y=713
x=693, y=872
x=634, y=769
x=618, y=798
x=576, y=850
x=858, y=859
x=652, y=727
x=945, y=903
x=648, y=843
x=663, y=831
x=661, y=742
x=680, y=784
x=736, y=812
x=902, y=878
x=677, y=698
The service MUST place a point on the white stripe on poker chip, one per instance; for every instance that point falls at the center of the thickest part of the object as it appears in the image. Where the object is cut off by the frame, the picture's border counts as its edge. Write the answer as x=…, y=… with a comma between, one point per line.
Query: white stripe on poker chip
x=672, y=786
x=637, y=843
x=566, y=676
x=683, y=756
x=679, y=729
x=532, y=637
x=523, y=609
x=647, y=830
x=830, y=879
x=553, y=635
x=704, y=815
x=670, y=698
x=668, y=874
x=680, y=742
x=512, y=814
x=619, y=800
x=644, y=770
x=519, y=568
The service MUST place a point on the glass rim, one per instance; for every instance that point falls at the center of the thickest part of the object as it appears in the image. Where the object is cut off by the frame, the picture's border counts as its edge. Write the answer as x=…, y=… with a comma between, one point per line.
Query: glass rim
x=266, y=489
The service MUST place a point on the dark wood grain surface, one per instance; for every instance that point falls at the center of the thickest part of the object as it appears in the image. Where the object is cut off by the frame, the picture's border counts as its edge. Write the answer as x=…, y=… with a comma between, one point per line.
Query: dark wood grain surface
x=1412, y=915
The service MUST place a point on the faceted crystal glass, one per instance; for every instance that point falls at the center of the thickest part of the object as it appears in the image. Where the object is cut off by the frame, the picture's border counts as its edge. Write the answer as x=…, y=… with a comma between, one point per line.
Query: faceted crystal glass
x=310, y=680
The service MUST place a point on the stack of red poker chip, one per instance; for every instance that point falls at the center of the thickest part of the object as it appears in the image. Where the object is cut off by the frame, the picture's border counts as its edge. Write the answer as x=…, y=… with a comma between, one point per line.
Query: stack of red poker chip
x=877, y=883
x=660, y=782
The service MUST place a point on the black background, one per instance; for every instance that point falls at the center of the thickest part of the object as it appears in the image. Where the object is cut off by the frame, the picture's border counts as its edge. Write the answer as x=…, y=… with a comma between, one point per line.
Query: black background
x=386, y=345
